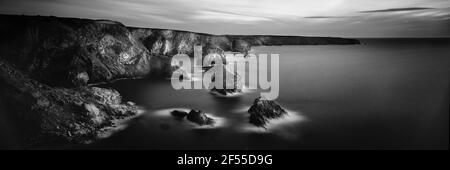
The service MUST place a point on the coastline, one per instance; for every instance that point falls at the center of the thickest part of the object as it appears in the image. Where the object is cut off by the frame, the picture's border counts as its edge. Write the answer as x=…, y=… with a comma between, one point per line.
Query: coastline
x=54, y=65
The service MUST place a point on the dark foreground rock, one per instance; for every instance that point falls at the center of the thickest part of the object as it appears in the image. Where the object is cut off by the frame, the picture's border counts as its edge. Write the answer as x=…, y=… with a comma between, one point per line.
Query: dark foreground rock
x=263, y=110
x=48, y=63
x=199, y=117
x=36, y=114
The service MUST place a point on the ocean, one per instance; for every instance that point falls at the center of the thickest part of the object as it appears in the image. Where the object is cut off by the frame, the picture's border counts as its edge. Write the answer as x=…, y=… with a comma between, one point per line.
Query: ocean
x=382, y=94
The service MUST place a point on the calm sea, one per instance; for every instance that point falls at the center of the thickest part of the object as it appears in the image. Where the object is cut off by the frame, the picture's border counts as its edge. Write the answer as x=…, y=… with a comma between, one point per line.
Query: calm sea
x=383, y=94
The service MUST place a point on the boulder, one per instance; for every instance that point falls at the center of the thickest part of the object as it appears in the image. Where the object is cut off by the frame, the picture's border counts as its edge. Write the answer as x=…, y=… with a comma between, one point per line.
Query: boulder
x=199, y=117
x=262, y=110
x=178, y=114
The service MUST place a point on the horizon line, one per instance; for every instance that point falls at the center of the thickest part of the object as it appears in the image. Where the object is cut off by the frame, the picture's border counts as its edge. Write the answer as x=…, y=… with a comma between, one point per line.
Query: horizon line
x=192, y=31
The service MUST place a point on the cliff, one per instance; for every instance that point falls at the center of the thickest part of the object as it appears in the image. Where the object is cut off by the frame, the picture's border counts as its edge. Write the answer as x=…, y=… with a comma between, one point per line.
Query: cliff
x=74, y=52
x=71, y=52
x=48, y=66
x=171, y=42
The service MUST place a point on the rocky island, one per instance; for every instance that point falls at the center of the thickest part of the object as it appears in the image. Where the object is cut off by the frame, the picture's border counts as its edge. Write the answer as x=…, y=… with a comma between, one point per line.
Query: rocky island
x=263, y=110
x=49, y=67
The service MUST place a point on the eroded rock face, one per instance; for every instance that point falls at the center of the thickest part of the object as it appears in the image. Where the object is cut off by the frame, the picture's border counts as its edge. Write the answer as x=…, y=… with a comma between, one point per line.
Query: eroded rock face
x=72, y=52
x=161, y=66
x=241, y=45
x=199, y=117
x=49, y=116
x=263, y=110
x=80, y=79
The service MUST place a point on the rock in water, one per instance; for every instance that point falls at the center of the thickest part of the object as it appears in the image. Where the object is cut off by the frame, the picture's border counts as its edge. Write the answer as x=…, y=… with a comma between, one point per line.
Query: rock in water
x=229, y=79
x=80, y=79
x=262, y=110
x=199, y=117
x=178, y=114
x=56, y=116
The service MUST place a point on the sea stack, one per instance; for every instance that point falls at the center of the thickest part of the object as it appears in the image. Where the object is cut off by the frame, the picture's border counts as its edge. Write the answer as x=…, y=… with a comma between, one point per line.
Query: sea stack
x=263, y=110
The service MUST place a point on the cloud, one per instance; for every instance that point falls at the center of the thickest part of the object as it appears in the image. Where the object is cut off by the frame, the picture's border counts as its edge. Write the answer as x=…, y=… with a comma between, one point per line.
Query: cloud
x=227, y=16
x=397, y=9
x=325, y=17
x=407, y=14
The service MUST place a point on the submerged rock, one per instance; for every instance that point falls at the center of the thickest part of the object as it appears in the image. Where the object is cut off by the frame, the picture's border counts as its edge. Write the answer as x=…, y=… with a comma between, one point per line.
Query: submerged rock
x=262, y=110
x=199, y=117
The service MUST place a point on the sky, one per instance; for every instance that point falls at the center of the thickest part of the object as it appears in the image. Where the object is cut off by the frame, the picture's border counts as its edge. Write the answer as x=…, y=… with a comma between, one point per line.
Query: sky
x=343, y=18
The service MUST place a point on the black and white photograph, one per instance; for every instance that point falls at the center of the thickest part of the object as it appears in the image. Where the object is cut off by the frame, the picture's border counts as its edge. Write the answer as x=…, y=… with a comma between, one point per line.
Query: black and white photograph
x=238, y=75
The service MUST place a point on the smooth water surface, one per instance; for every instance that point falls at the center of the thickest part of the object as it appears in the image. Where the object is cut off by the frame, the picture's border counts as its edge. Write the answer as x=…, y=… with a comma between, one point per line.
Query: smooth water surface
x=383, y=94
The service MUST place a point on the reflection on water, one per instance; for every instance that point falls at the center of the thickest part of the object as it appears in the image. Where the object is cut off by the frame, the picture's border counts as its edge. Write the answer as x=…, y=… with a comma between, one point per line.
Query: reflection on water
x=387, y=93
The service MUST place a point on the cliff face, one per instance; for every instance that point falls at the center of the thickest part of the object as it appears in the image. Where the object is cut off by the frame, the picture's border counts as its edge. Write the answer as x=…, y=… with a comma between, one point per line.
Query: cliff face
x=35, y=114
x=68, y=52
x=74, y=52
x=170, y=42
